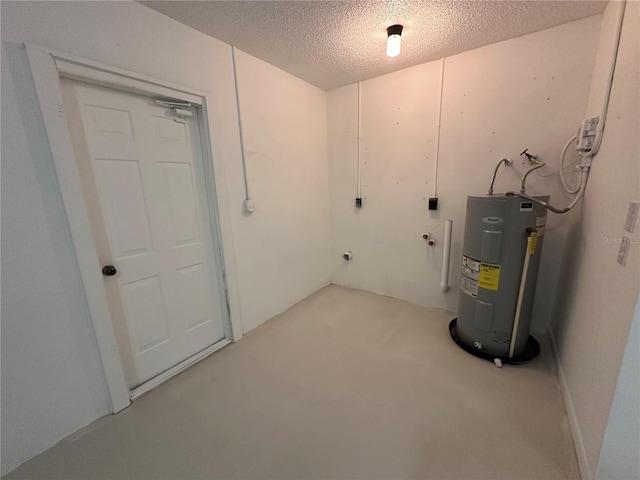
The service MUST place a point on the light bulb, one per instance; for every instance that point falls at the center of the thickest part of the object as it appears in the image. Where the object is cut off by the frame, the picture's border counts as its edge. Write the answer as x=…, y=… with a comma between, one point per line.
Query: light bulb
x=393, y=45
x=393, y=40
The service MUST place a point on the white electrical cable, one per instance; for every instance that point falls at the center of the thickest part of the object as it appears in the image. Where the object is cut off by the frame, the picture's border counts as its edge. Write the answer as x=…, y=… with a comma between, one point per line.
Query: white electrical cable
x=565, y=185
x=244, y=165
x=359, y=181
x=435, y=173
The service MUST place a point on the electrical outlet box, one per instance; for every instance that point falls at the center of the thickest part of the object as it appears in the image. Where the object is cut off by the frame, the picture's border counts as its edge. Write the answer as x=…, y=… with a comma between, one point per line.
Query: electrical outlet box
x=632, y=216
x=249, y=205
x=624, y=250
x=587, y=134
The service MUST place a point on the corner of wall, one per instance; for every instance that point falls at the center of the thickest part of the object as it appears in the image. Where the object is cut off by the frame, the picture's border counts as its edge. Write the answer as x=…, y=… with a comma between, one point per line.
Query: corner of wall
x=581, y=453
x=597, y=295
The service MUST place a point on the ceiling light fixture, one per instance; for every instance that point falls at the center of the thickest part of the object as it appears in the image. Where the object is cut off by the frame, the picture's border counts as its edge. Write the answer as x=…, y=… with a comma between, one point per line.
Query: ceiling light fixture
x=393, y=40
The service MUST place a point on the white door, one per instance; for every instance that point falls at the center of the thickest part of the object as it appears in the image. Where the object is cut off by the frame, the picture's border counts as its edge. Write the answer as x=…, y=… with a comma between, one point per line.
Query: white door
x=143, y=182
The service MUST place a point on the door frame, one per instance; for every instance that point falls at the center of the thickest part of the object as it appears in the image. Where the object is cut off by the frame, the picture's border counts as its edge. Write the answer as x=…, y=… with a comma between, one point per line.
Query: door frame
x=47, y=68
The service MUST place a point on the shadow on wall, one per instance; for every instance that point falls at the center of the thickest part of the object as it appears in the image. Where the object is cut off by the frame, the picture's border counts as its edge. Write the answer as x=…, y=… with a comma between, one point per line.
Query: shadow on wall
x=572, y=255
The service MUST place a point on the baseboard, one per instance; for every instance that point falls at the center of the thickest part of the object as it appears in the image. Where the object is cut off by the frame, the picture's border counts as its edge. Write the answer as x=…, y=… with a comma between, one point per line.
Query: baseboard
x=581, y=453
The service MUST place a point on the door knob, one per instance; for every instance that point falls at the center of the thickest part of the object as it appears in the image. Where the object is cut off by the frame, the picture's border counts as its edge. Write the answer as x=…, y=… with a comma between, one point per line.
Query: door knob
x=109, y=270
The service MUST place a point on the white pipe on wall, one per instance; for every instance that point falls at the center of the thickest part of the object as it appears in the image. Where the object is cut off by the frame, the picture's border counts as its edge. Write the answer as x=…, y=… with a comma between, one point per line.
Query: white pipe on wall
x=523, y=284
x=446, y=256
x=435, y=173
x=611, y=71
x=359, y=181
x=247, y=198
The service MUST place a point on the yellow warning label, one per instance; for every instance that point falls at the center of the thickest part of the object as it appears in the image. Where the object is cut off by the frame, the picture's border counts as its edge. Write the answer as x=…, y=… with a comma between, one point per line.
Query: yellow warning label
x=489, y=276
x=533, y=243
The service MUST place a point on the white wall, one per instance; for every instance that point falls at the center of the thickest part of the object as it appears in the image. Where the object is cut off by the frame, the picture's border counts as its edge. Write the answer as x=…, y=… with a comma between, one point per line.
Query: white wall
x=528, y=92
x=619, y=454
x=52, y=380
x=597, y=294
x=399, y=117
x=285, y=242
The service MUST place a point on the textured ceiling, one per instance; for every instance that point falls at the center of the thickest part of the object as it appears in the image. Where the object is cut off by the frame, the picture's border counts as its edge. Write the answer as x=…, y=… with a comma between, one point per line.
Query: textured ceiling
x=335, y=43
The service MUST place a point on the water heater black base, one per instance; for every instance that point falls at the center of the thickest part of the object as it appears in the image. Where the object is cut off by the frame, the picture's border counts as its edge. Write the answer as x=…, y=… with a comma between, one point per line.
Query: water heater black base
x=531, y=350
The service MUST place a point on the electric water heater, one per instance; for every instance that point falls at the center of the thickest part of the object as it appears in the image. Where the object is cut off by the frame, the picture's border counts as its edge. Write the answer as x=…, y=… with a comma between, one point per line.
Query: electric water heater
x=501, y=254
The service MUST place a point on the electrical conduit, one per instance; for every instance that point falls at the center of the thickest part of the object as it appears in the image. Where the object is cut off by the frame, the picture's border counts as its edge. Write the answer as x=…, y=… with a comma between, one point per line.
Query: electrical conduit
x=435, y=173
x=359, y=181
x=248, y=203
x=587, y=157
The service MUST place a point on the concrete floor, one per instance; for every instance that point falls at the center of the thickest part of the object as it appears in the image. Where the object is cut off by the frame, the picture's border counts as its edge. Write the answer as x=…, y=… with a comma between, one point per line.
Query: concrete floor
x=345, y=384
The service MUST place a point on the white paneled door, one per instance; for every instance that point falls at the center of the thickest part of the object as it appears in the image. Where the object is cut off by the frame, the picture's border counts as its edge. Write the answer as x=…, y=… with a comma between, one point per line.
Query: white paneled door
x=143, y=181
